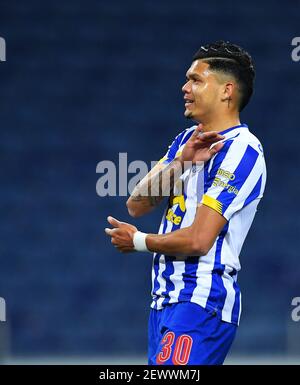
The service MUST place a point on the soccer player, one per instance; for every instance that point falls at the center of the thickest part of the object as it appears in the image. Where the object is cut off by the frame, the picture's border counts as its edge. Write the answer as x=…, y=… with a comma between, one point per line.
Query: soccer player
x=196, y=300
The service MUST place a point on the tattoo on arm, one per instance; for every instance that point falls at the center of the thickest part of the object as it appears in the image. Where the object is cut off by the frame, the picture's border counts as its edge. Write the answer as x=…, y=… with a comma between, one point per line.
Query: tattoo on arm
x=152, y=190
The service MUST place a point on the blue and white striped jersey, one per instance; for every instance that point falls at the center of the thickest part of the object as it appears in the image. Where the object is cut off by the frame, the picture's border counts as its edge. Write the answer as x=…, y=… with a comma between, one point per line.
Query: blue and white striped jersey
x=232, y=182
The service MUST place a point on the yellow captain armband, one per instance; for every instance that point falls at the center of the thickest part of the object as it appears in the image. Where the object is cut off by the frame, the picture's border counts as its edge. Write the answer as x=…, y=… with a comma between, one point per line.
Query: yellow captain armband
x=212, y=203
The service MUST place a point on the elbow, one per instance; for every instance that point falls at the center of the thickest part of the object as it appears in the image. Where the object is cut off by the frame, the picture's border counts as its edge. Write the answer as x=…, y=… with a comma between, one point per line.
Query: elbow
x=200, y=242
x=133, y=212
x=199, y=247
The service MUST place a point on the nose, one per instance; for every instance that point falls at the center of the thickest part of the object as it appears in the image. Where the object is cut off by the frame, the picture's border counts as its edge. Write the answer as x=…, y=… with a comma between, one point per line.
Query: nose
x=186, y=87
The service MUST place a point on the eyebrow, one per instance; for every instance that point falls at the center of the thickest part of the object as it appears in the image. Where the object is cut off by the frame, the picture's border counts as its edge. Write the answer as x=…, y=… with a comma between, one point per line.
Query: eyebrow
x=193, y=75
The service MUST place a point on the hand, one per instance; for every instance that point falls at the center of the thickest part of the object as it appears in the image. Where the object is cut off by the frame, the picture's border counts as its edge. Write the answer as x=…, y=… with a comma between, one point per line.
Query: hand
x=121, y=235
x=197, y=148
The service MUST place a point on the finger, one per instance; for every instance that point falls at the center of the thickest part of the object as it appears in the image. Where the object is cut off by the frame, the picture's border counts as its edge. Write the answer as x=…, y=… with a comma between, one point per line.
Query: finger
x=109, y=231
x=207, y=142
x=216, y=148
x=198, y=130
x=211, y=136
x=113, y=221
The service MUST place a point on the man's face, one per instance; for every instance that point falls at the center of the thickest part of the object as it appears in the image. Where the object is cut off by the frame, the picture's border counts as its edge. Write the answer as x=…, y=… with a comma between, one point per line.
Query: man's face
x=202, y=91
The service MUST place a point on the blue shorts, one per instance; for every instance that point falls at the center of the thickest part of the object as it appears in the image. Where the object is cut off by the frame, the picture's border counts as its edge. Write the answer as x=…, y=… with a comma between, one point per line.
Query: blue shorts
x=184, y=333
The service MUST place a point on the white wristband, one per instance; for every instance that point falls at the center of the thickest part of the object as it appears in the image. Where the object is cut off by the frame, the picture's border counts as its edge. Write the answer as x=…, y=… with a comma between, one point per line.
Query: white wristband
x=139, y=241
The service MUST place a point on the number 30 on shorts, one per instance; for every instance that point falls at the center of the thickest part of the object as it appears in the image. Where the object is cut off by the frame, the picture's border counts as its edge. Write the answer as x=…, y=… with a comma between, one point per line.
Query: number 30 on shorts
x=181, y=351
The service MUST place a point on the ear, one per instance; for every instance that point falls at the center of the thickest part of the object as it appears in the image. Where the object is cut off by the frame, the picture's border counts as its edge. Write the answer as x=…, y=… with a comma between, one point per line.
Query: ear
x=228, y=91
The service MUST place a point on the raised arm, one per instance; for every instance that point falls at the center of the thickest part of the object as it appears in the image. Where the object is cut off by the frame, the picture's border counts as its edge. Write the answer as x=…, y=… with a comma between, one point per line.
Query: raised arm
x=151, y=190
x=160, y=181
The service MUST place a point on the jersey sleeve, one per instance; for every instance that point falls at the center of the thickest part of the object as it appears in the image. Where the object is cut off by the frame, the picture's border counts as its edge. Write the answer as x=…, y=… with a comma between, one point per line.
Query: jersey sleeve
x=234, y=178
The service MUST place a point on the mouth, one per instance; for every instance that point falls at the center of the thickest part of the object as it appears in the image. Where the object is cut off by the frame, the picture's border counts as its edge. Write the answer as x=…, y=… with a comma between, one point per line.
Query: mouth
x=188, y=102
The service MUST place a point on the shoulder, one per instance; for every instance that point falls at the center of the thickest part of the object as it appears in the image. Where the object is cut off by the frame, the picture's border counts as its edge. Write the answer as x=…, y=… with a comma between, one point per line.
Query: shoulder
x=245, y=141
x=240, y=150
x=183, y=136
x=177, y=144
x=248, y=138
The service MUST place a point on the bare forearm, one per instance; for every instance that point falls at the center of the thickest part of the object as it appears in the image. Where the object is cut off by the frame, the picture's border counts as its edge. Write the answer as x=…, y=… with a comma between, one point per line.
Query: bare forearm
x=154, y=187
x=181, y=243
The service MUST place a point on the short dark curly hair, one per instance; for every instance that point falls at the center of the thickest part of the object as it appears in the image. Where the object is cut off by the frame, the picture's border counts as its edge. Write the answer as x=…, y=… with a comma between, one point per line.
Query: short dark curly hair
x=233, y=60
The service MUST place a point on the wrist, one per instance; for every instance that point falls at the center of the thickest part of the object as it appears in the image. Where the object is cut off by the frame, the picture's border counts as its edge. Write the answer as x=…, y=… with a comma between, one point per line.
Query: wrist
x=139, y=241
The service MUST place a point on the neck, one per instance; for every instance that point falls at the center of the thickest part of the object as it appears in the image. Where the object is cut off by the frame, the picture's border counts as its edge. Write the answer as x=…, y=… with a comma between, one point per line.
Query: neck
x=220, y=123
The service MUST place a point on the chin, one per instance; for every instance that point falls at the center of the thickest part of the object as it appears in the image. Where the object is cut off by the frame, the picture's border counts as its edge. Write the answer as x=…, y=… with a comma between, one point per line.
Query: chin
x=188, y=114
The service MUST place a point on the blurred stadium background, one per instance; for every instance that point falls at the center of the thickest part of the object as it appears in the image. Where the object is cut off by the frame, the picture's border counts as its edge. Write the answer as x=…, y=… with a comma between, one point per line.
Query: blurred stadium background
x=84, y=81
